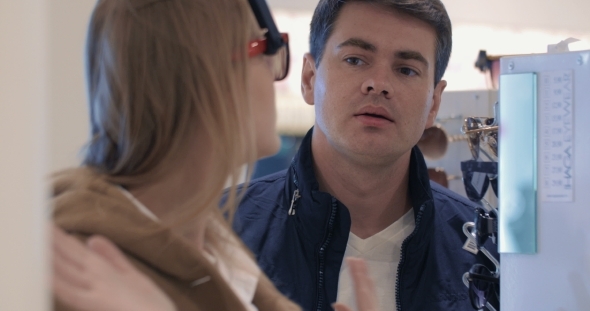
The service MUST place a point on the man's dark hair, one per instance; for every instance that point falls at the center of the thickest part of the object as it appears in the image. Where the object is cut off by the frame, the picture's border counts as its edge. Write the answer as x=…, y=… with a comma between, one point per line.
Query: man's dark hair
x=432, y=12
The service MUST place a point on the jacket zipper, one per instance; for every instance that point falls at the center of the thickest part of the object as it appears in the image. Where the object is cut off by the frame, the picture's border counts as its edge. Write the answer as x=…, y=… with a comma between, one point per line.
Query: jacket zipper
x=296, y=196
x=402, y=259
x=320, y=298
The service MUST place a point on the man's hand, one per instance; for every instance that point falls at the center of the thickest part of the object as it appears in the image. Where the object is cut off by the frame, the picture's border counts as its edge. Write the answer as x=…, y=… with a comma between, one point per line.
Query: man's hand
x=364, y=288
x=98, y=277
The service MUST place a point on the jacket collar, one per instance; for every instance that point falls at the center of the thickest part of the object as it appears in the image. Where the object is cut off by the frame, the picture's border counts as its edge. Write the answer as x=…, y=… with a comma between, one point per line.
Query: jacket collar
x=313, y=207
x=302, y=177
x=86, y=203
x=419, y=182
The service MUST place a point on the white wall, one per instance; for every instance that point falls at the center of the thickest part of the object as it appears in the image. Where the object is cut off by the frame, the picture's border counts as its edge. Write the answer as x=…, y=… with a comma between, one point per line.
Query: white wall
x=67, y=104
x=557, y=276
x=43, y=123
x=569, y=15
x=23, y=91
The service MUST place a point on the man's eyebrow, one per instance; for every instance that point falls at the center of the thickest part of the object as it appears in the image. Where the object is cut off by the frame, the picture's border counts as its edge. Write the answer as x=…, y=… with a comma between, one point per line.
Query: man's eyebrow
x=358, y=43
x=412, y=55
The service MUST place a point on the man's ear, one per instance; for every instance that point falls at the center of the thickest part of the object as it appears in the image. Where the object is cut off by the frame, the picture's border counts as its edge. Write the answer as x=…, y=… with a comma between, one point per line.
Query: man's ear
x=436, y=99
x=308, y=73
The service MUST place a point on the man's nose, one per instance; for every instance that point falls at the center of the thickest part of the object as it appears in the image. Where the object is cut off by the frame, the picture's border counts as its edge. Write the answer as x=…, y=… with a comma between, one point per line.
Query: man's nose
x=378, y=83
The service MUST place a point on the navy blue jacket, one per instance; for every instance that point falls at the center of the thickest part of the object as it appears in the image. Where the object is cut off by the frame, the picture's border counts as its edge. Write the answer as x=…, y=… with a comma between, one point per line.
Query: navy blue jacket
x=299, y=235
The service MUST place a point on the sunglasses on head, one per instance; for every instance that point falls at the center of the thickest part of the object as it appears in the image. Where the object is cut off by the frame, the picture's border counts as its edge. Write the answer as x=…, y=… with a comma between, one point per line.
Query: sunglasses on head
x=274, y=44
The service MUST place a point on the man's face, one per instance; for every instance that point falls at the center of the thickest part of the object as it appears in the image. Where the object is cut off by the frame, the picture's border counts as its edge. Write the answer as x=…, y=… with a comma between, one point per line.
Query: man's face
x=374, y=91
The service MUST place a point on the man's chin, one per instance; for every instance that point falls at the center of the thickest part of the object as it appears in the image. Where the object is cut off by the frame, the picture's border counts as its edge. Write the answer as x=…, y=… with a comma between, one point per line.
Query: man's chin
x=372, y=154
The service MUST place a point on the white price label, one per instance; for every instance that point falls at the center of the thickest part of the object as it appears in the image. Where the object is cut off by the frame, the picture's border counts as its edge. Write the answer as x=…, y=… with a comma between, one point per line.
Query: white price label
x=556, y=136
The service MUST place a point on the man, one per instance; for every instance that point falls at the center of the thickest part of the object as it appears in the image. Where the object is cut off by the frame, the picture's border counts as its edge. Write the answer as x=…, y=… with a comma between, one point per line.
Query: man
x=358, y=185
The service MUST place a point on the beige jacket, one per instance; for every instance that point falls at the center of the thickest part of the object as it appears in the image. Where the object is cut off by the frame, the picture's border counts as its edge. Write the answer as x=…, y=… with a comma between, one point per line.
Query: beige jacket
x=85, y=204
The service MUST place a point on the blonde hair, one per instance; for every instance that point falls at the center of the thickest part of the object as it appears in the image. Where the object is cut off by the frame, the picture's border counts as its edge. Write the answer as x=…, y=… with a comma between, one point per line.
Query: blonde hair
x=157, y=70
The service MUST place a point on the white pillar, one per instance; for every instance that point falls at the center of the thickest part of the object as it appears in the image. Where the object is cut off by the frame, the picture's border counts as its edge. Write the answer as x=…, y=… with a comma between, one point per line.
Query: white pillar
x=23, y=92
x=43, y=124
x=67, y=100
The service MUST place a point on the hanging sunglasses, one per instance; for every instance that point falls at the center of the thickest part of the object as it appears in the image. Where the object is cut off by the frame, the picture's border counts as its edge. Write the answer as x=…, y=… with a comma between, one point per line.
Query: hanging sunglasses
x=486, y=226
x=467, y=230
x=484, y=287
x=273, y=44
x=477, y=176
x=480, y=129
x=483, y=284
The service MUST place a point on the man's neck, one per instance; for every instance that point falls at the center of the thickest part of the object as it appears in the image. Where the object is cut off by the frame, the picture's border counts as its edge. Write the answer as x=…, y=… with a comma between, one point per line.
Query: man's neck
x=376, y=195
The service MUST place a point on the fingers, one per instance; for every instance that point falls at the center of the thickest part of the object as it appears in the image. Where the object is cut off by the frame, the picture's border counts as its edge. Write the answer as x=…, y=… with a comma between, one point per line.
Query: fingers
x=67, y=273
x=67, y=293
x=366, y=298
x=68, y=263
x=68, y=248
x=110, y=252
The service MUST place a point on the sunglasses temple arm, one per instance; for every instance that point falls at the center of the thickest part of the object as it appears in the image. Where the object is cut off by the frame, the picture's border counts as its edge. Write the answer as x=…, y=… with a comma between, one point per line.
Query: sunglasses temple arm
x=486, y=154
x=492, y=259
x=466, y=231
x=465, y=279
x=496, y=113
x=490, y=307
x=488, y=207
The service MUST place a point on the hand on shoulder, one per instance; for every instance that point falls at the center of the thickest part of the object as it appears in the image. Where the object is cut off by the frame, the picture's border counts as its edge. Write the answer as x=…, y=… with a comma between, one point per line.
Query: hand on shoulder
x=98, y=277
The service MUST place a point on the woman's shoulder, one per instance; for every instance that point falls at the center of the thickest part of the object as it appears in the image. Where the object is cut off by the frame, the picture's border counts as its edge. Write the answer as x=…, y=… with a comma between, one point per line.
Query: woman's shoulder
x=82, y=200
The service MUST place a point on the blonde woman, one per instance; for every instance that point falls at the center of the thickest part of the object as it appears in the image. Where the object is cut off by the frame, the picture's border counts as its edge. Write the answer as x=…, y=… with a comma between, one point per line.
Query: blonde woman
x=181, y=97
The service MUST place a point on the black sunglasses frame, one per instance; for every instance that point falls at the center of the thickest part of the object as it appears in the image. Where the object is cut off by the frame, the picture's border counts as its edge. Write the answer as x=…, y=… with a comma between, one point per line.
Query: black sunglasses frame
x=274, y=39
x=469, y=168
x=484, y=287
x=486, y=226
x=265, y=21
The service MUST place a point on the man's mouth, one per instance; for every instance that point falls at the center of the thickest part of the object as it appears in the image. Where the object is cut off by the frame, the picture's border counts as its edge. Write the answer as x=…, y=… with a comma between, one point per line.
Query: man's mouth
x=374, y=116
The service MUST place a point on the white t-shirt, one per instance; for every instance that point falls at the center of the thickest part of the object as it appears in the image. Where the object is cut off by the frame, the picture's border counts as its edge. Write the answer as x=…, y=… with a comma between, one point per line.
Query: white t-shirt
x=382, y=253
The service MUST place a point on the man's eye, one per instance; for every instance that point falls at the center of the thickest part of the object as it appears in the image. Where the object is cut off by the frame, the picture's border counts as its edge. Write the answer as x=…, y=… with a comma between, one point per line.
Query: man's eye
x=407, y=71
x=354, y=61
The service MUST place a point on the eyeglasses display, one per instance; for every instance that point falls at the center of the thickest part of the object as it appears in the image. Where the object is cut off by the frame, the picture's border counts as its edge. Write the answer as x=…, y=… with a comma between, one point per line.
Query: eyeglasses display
x=438, y=148
x=478, y=173
x=483, y=284
x=482, y=136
